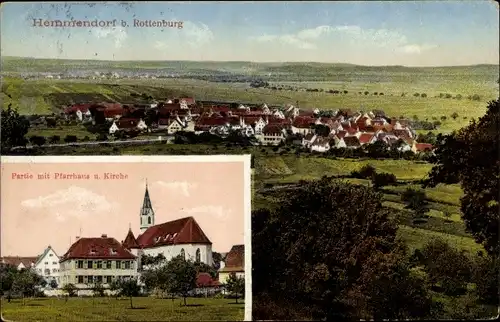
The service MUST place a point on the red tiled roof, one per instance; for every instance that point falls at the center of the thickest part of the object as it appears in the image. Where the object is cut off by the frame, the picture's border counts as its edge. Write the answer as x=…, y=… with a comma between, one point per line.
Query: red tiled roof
x=111, y=112
x=130, y=242
x=220, y=108
x=308, y=113
x=251, y=119
x=211, y=121
x=366, y=137
x=235, y=259
x=403, y=134
x=82, y=107
x=273, y=129
x=303, y=121
x=180, y=231
x=277, y=120
x=205, y=280
x=16, y=260
x=97, y=248
x=423, y=146
x=188, y=100
x=351, y=130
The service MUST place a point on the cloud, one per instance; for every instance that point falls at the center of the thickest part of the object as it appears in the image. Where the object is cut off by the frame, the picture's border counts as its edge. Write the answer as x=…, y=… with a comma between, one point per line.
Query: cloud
x=71, y=202
x=197, y=35
x=160, y=45
x=355, y=35
x=217, y=211
x=178, y=186
x=118, y=34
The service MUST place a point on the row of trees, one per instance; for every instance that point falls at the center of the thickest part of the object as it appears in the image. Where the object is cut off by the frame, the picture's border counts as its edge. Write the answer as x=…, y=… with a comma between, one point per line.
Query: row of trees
x=20, y=283
x=328, y=250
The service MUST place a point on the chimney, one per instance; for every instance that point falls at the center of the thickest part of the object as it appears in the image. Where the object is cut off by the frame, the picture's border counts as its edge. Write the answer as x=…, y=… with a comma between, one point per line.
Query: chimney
x=104, y=236
x=77, y=237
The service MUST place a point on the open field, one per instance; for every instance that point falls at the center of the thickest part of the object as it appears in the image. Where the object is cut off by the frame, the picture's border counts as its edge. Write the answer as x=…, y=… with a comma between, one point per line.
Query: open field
x=111, y=309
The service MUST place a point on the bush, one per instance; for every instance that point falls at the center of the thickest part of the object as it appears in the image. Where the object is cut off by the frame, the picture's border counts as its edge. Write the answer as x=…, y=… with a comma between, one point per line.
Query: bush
x=458, y=97
x=416, y=94
x=447, y=96
x=423, y=95
x=367, y=171
x=54, y=139
x=383, y=179
x=443, y=118
x=366, y=92
x=70, y=139
x=475, y=97
x=101, y=137
x=86, y=138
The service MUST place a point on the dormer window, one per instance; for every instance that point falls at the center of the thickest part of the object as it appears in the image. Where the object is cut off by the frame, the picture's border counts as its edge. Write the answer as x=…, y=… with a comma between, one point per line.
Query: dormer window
x=112, y=251
x=93, y=252
x=174, y=235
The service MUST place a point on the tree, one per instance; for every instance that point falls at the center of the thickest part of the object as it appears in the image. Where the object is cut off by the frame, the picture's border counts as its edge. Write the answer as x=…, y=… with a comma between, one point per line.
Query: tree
x=129, y=288
x=367, y=171
x=454, y=115
x=416, y=94
x=70, y=138
x=470, y=157
x=447, y=215
x=310, y=250
x=383, y=179
x=184, y=276
x=366, y=93
x=101, y=137
x=443, y=118
x=446, y=266
x=70, y=289
x=14, y=129
x=476, y=97
x=7, y=276
x=235, y=285
x=25, y=283
x=423, y=95
x=415, y=201
x=321, y=130
x=485, y=276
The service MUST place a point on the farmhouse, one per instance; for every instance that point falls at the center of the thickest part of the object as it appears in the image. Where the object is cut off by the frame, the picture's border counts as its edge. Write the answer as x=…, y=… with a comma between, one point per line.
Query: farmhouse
x=127, y=125
x=273, y=134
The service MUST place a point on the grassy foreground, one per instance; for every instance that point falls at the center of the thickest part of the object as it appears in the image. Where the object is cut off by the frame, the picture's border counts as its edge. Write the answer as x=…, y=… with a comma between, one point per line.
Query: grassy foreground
x=111, y=309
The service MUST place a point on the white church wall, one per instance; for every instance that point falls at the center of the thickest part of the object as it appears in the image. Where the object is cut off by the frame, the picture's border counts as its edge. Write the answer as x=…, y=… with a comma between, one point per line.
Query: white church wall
x=171, y=251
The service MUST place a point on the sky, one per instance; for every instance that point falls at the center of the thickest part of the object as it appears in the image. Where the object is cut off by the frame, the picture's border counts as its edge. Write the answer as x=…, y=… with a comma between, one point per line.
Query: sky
x=38, y=213
x=410, y=33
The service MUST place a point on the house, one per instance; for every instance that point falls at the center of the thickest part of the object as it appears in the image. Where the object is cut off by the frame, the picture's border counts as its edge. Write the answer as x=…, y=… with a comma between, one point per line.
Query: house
x=127, y=125
x=422, y=147
x=47, y=265
x=339, y=142
x=308, y=139
x=273, y=134
x=256, y=122
x=351, y=142
x=204, y=123
x=182, y=237
x=19, y=262
x=278, y=114
x=303, y=125
x=403, y=145
x=367, y=138
x=172, y=125
x=320, y=144
x=234, y=263
x=96, y=260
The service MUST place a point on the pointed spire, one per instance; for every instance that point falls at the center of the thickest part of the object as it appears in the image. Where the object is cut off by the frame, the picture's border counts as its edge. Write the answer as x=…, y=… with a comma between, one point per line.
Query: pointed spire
x=129, y=226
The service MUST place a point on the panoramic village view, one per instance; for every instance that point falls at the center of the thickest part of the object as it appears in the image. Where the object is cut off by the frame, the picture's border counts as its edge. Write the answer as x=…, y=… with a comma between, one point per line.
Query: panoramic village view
x=373, y=134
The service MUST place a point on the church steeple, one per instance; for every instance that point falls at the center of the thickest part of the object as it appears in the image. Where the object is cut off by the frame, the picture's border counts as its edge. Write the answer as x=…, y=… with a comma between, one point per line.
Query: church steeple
x=147, y=213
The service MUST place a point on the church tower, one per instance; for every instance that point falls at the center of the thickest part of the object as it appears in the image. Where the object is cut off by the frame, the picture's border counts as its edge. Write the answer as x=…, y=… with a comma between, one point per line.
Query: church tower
x=147, y=212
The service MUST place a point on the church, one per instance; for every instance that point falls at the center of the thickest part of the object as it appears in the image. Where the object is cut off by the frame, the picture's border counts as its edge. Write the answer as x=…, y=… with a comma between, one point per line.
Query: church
x=178, y=237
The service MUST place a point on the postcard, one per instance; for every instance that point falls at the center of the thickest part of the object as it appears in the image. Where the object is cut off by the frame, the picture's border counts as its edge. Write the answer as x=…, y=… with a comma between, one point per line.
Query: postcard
x=170, y=235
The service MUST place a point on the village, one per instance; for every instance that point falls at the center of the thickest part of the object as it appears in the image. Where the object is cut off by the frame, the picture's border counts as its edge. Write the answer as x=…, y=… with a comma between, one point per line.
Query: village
x=312, y=130
x=92, y=263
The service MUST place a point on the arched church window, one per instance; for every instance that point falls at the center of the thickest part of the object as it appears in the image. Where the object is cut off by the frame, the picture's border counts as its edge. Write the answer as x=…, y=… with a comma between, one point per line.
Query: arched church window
x=198, y=255
x=149, y=220
x=183, y=254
